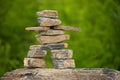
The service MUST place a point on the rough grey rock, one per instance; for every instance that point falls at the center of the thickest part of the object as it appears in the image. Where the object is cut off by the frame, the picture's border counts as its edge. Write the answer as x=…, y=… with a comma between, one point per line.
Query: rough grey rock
x=49, y=22
x=52, y=39
x=48, y=13
x=64, y=64
x=62, y=54
x=52, y=32
x=62, y=74
x=36, y=52
x=34, y=62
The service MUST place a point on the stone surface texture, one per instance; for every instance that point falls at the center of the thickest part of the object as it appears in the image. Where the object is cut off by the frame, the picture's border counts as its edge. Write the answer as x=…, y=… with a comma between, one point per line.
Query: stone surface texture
x=52, y=39
x=67, y=28
x=62, y=74
x=37, y=29
x=62, y=54
x=36, y=53
x=52, y=32
x=34, y=62
x=64, y=64
x=34, y=47
x=49, y=22
x=48, y=13
x=56, y=46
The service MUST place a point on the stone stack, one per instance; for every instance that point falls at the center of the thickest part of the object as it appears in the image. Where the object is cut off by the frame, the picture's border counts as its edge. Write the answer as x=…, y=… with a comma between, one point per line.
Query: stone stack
x=51, y=37
x=35, y=57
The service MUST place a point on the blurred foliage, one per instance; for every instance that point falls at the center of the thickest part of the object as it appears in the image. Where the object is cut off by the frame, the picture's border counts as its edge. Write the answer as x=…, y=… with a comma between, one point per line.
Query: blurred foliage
x=96, y=46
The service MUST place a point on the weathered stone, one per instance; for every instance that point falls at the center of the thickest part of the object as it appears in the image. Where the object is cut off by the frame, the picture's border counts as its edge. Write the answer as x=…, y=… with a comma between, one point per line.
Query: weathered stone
x=49, y=22
x=37, y=29
x=54, y=46
x=52, y=32
x=66, y=28
x=63, y=64
x=62, y=74
x=34, y=62
x=35, y=47
x=52, y=39
x=62, y=54
x=41, y=48
x=48, y=13
x=36, y=53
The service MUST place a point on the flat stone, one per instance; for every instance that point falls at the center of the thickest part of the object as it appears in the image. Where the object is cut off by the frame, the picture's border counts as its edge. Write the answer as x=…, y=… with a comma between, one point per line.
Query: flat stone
x=34, y=47
x=52, y=32
x=54, y=46
x=42, y=48
x=49, y=22
x=62, y=54
x=52, y=39
x=63, y=64
x=48, y=13
x=34, y=62
x=62, y=74
x=37, y=29
x=66, y=28
x=36, y=53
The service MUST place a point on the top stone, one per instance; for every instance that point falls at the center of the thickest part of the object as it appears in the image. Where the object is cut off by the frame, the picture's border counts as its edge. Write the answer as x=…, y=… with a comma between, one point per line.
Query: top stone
x=48, y=13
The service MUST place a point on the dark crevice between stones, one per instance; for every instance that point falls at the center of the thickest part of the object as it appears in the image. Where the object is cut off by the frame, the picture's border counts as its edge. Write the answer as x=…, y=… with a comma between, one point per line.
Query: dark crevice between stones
x=52, y=27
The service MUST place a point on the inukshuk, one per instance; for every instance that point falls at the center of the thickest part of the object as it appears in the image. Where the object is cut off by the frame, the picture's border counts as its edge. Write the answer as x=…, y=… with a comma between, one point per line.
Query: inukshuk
x=51, y=37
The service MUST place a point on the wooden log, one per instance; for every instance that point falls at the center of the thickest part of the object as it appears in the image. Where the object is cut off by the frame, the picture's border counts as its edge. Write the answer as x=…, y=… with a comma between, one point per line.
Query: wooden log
x=49, y=22
x=37, y=29
x=48, y=13
x=52, y=39
x=52, y=32
x=67, y=28
x=34, y=63
x=62, y=54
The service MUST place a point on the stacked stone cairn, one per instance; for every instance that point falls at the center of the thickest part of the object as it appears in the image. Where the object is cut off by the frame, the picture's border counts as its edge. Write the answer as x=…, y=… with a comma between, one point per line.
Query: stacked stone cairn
x=51, y=37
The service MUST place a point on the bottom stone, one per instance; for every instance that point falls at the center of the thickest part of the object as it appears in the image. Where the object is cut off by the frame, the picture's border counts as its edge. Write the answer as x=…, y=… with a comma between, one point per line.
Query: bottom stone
x=64, y=64
x=34, y=62
x=62, y=74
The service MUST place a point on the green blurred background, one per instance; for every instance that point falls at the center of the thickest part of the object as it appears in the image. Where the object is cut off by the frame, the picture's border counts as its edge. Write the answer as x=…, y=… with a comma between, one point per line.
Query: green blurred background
x=97, y=46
